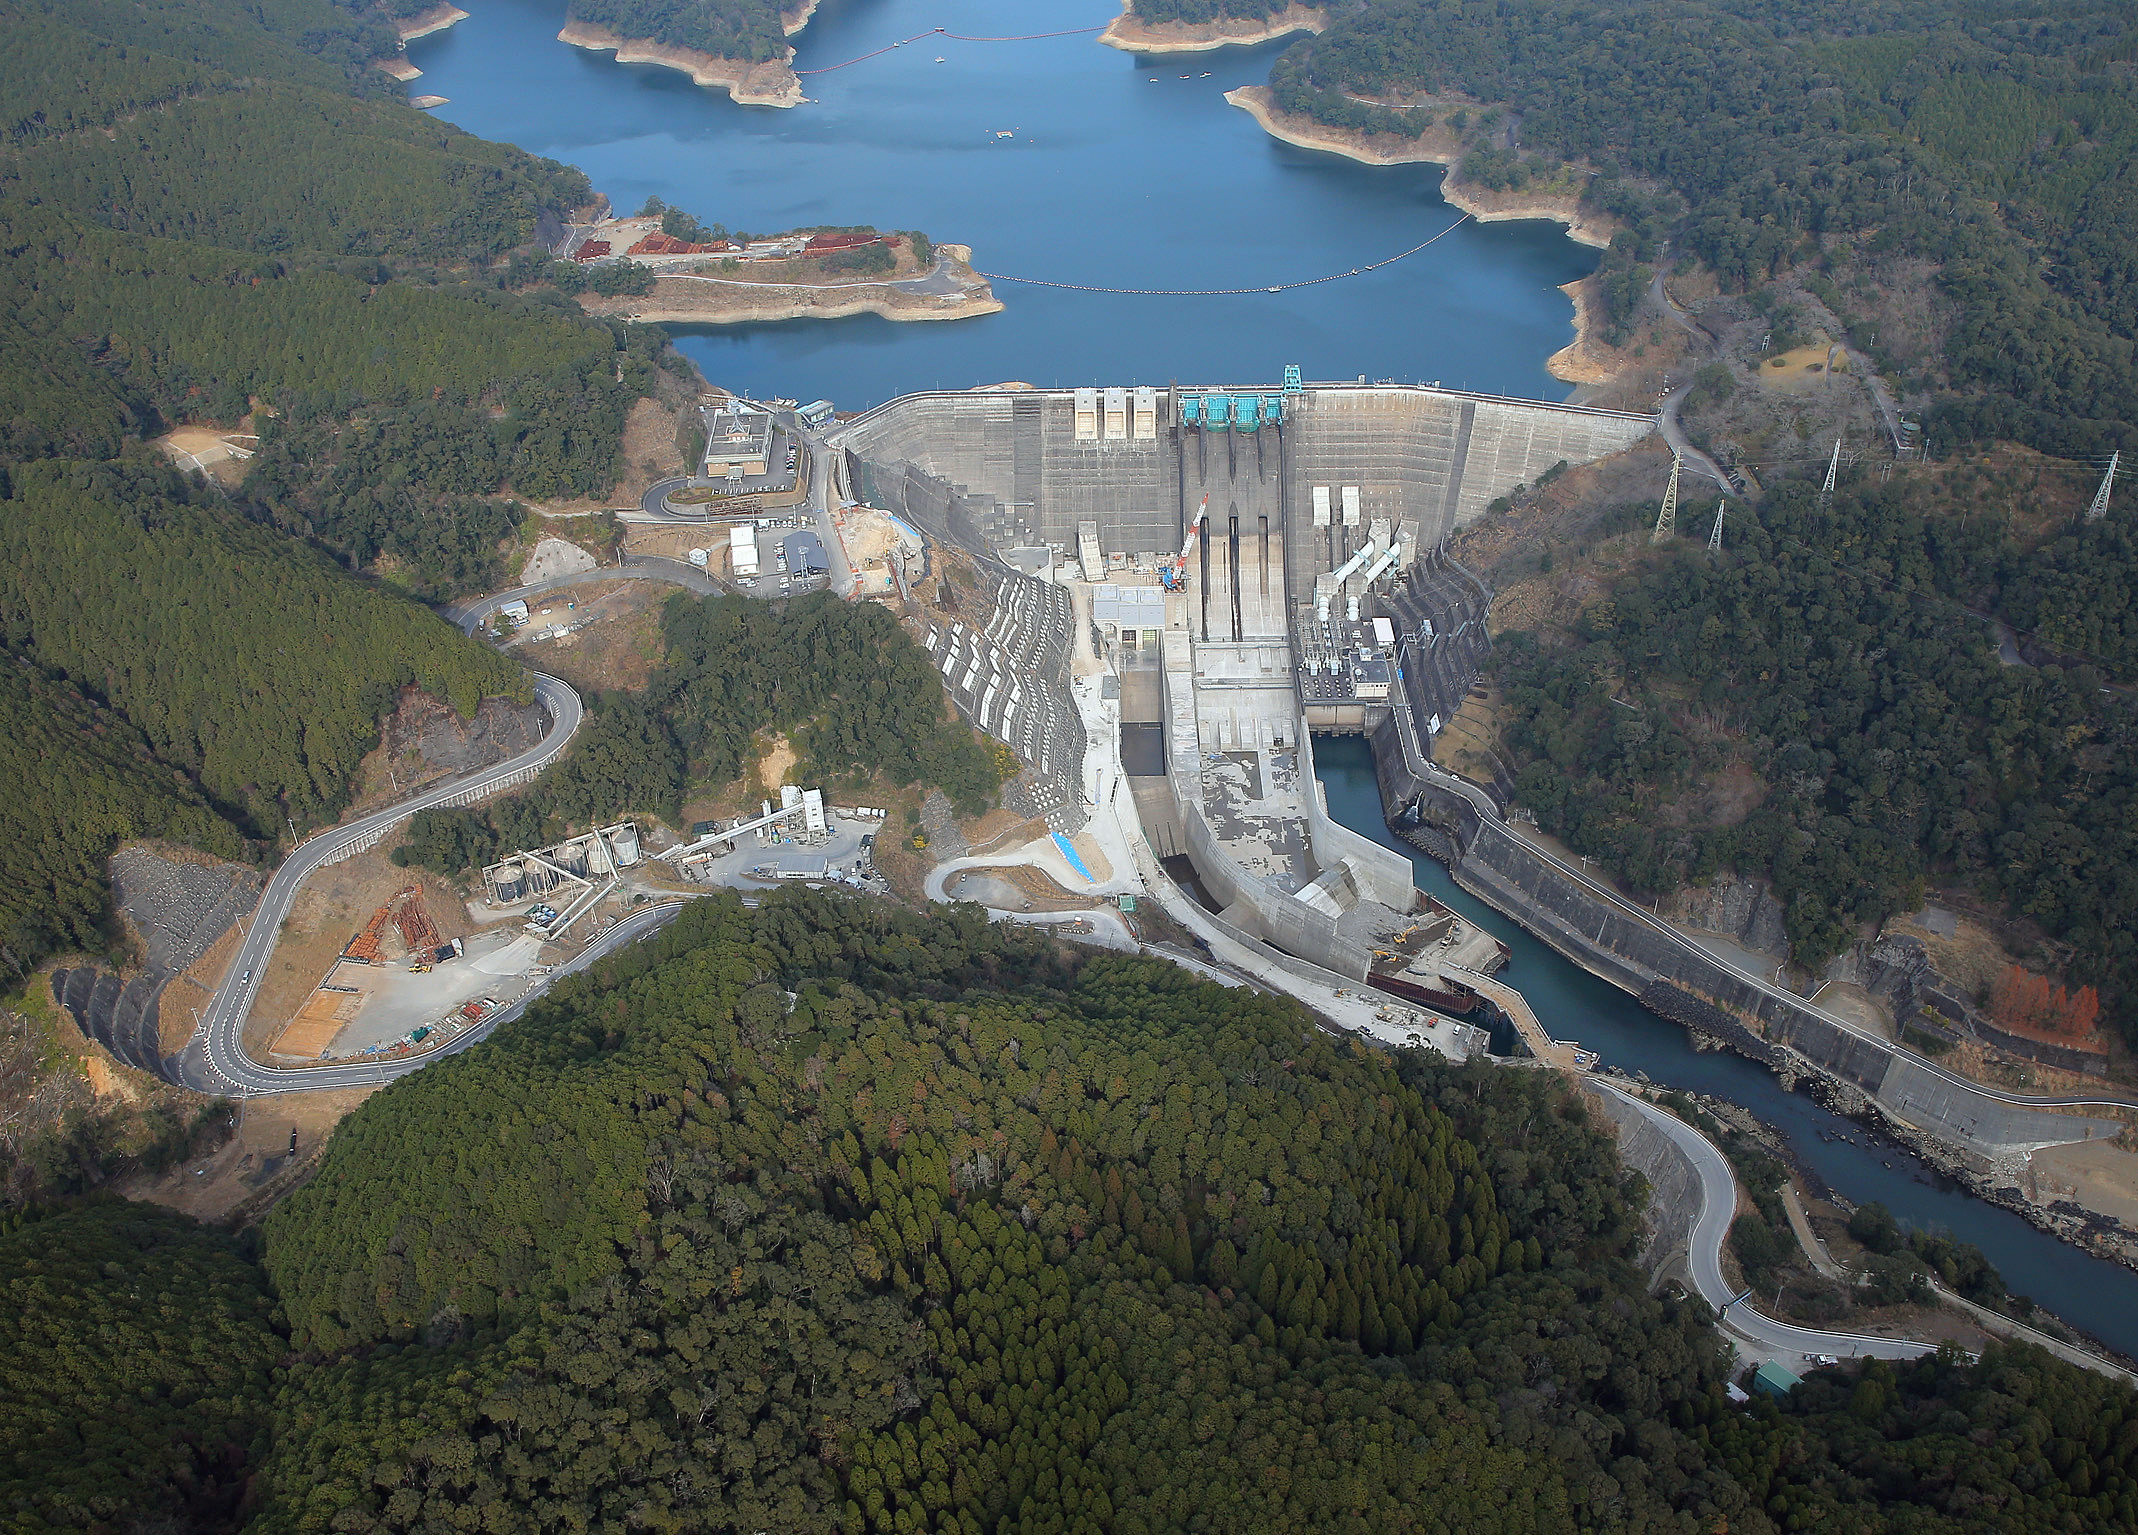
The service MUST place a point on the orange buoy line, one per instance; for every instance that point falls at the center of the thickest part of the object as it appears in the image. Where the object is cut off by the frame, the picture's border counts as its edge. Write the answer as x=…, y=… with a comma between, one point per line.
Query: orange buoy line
x=955, y=37
x=1283, y=287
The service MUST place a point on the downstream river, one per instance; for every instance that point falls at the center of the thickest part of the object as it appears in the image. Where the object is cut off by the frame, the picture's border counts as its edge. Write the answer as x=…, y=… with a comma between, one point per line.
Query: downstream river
x=1121, y=173
x=1107, y=180
x=2090, y=1293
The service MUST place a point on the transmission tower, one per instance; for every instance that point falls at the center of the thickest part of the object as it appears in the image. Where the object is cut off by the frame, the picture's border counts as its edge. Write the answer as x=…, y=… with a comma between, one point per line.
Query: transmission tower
x=2099, y=509
x=1833, y=467
x=1666, y=519
x=1714, y=534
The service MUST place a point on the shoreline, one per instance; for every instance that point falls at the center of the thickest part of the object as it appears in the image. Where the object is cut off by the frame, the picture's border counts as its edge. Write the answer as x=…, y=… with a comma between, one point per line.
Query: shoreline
x=1482, y=204
x=437, y=19
x=1577, y=362
x=1131, y=34
x=770, y=84
x=1574, y=363
x=792, y=21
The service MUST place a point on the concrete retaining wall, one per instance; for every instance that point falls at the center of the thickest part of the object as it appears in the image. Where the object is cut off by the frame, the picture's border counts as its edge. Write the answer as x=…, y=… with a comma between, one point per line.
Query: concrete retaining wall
x=1650, y=960
x=1674, y=1183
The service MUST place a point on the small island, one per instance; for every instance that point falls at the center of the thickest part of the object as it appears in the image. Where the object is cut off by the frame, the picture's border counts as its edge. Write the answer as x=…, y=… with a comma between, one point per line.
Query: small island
x=1141, y=29
x=663, y=267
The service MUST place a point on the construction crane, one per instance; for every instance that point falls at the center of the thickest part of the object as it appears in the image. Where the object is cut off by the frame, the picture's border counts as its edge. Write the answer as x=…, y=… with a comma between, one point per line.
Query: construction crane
x=1173, y=574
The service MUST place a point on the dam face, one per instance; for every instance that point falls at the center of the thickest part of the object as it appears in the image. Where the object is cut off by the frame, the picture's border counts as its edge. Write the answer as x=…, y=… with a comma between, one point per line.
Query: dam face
x=1011, y=468
x=1251, y=566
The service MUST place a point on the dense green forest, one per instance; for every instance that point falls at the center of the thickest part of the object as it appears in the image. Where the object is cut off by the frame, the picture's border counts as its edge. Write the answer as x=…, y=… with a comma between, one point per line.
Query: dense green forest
x=749, y=30
x=247, y=660
x=857, y=696
x=137, y=1358
x=215, y=213
x=57, y=748
x=1832, y=648
x=833, y=1216
x=1194, y=11
x=1996, y=145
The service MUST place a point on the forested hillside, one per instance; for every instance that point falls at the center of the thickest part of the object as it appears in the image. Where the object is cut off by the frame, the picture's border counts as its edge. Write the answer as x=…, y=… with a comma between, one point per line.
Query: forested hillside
x=248, y=661
x=59, y=749
x=851, y=688
x=137, y=1357
x=1832, y=651
x=226, y=215
x=749, y=30
x=1987, y=153
x=830, y=1216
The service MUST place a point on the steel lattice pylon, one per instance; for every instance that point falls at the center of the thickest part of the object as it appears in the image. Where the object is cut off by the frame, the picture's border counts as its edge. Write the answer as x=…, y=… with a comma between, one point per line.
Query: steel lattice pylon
x=1833, y=467
x=1666, y=518
x=1714, y=534
x=2099, y=509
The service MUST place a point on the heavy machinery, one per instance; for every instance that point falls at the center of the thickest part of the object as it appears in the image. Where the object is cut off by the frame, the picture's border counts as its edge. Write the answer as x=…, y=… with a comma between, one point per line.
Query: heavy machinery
x=1173, y=574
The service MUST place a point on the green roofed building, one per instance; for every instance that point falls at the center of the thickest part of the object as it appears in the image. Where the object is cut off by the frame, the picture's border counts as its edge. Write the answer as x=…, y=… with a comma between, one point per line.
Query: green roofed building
x=1773, y=1379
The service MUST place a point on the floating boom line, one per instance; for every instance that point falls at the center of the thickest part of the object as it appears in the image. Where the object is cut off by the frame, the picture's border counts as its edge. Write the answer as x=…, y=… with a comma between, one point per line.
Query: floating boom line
x=949, y=36
x=1283, y=287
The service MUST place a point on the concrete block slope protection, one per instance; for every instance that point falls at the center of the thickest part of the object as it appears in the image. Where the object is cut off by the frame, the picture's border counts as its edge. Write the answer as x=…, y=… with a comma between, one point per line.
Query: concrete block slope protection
x=1632, y=947
x=214, y=1061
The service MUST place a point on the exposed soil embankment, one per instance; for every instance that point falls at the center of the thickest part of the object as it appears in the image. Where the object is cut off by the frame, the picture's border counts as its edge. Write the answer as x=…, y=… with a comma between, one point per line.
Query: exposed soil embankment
x=720, y=299
x=424, y=23
x=769, y=84
x=1132, y=34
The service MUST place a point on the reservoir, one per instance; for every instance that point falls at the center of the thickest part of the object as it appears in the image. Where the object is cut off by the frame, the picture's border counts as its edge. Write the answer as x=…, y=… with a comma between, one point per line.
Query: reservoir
x=1107, y=180
x=1118, y=172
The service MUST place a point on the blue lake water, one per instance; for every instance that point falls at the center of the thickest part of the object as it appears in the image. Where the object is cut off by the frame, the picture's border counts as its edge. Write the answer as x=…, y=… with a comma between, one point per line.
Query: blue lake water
x=1118, y=172
x=1109, y=180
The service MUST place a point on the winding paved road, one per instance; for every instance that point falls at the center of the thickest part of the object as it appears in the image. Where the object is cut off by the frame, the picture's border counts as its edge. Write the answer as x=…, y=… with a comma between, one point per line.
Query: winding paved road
x=214, y=1061
x=1718, y=1207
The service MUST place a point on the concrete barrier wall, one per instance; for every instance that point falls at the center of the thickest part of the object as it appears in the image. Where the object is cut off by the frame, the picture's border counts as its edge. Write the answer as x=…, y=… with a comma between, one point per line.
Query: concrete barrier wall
x=1383, y=874
x=1674, y=1192
x=1292, y=926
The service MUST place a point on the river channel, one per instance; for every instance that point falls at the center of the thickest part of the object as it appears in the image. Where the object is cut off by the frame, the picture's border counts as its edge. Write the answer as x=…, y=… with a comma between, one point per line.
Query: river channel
x=1119, y=172
x=2088, y=1292
x=1107, y=179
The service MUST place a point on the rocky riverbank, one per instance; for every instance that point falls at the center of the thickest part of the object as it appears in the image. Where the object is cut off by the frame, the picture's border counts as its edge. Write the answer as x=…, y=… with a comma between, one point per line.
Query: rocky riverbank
x=769, y=84
x=1132, y=34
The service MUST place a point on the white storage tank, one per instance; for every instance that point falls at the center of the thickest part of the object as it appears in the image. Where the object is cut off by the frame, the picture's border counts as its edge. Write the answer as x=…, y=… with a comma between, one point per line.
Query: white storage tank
x=623, y=845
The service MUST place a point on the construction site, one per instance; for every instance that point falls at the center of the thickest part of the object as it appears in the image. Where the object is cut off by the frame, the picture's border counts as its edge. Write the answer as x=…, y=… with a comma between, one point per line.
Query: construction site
x=396, y=988
x=1249, y=567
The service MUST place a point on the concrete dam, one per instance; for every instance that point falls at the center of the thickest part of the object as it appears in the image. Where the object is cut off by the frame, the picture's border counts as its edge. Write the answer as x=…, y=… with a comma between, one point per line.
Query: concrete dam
x=1247, y=566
